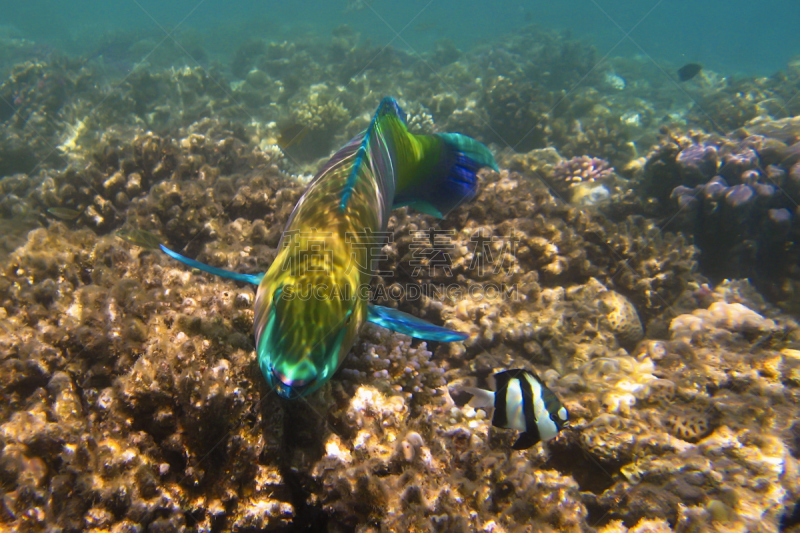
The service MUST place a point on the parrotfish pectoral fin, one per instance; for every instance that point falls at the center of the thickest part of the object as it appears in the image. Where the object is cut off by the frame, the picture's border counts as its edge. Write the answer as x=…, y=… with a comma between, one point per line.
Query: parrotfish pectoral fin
x=525, y=441
x=410, y=325
x=247, y=278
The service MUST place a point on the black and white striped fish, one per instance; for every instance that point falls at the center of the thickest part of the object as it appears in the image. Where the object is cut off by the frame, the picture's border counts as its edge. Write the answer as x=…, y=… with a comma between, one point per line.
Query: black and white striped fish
x=524, y=403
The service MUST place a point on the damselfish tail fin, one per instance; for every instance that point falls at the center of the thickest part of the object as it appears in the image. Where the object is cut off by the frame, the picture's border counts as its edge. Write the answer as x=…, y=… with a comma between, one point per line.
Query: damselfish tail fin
x=481, y=399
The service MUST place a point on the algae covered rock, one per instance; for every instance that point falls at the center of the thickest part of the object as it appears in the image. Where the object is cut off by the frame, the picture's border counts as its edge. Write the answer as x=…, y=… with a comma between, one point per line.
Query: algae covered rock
x=622, y=317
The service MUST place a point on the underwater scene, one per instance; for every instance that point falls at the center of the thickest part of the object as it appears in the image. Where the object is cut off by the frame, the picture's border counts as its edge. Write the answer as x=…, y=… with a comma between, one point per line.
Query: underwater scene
x=423, y=266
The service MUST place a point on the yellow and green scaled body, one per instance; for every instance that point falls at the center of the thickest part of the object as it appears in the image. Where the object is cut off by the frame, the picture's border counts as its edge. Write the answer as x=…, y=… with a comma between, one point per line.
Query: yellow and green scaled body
x=312, y=301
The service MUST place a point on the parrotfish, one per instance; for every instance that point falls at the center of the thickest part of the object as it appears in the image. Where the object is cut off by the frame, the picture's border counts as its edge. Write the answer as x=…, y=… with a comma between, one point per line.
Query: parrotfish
x=312, y=301
x=522, y=402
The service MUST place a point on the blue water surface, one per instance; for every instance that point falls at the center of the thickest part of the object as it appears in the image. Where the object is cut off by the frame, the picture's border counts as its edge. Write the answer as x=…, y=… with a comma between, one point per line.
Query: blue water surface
x=730, y=36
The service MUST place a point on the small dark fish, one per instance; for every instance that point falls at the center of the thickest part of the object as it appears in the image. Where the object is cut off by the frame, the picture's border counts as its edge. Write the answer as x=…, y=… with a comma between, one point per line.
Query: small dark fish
x=524, y=403
x=140, y=237
x=64, y=213
x=689, y=71
x=291, y=135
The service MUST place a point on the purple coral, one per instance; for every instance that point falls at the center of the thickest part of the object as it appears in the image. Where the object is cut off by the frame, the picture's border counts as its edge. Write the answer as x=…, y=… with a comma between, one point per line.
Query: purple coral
x=750, y=177
x=736, y=164
x=794, y=173
x=744, y=217
x=780, y=216
x=739, y=195
x=775, y=174
x=764, y=190
x=685, y=196
x=792, y=155
x=698, y=162
x=715, y=188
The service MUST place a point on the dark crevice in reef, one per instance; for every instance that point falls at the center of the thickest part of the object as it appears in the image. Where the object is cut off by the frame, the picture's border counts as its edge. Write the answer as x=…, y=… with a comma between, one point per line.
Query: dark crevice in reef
x=571, y=459
x=308, y=517
x=597, y=515
x=791, y=517
x=303, y=431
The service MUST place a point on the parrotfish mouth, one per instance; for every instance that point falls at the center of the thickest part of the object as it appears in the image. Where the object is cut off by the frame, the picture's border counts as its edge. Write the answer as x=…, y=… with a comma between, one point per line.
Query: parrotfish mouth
x=290, y=387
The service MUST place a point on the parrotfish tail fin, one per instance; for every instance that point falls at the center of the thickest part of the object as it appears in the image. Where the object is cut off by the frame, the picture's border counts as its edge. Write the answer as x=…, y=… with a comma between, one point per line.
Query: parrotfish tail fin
x=247, y=278
x=437, y=173
x=481, y=399
x=433, y=174
x=410, y=325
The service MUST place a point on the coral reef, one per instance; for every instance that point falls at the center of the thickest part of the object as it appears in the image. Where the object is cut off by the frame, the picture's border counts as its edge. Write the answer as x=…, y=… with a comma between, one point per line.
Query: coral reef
x=322, y=116
x=516, y=240
x=678, y=465
x=130, y=396
x=32, y=95
x=730, y=103
x=738, y=195
x=580, y=179
x=438, y=471
x=98, y=350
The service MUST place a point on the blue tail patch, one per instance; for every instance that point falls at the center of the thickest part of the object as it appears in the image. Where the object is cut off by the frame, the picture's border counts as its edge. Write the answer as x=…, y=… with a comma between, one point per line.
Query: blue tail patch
x=458, y=183
x=247, y=278
x=410, y=325
x=471, y=149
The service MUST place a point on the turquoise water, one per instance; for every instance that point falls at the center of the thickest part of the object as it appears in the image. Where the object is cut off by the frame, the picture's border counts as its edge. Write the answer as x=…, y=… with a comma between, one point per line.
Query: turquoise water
x=733, y=36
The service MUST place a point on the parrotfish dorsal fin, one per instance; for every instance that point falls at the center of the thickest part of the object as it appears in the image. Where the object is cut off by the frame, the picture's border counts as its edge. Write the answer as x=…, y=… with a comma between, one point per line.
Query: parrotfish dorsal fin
x=376, y=129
